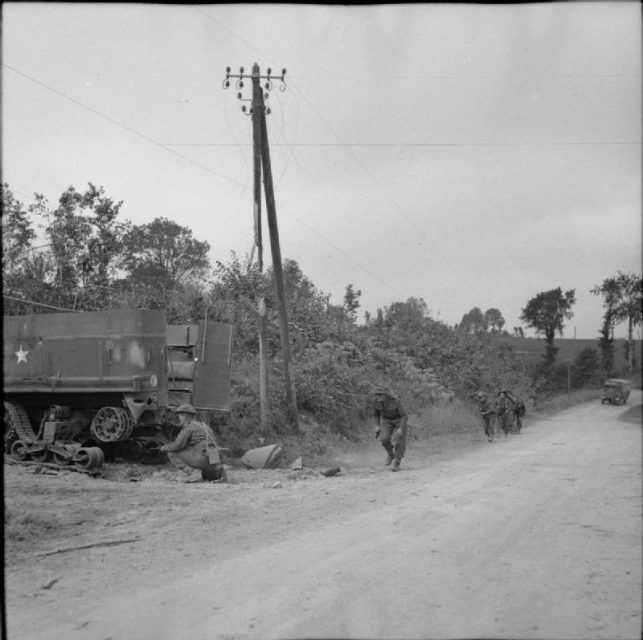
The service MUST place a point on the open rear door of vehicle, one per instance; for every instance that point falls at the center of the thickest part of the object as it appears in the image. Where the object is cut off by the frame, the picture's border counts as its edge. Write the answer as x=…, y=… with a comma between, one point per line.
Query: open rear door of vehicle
x=213, y=366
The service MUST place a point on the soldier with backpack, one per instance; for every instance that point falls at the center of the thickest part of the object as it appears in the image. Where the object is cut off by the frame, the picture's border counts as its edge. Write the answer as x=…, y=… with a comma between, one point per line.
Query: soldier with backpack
x=507, y=404
x=502, y=408
x=488, y=415
x=195, y=447
x=519, y=409
x=391, y=422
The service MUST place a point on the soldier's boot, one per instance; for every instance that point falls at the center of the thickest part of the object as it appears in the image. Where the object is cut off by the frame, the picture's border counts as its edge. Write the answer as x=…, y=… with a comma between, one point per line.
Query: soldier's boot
x=396, y=465
x=193, y=476
x=189, y=474
x=214, y=473
x=389, y=459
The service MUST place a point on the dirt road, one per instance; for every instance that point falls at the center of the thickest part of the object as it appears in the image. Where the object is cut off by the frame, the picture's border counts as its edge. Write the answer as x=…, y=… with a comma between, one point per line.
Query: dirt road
x=535, y=536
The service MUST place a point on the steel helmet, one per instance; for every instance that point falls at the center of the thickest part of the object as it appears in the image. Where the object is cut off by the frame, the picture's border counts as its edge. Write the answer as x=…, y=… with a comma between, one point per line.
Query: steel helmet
x=381, y=390
x=186, y=408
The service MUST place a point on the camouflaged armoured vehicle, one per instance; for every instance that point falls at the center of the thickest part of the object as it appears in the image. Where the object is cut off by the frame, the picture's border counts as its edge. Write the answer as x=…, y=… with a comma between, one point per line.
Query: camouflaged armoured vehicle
x=78, y=386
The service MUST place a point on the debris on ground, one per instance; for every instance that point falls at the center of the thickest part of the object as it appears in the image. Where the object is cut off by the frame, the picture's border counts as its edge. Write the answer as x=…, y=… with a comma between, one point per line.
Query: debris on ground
x=50, y=583
x=263, y=457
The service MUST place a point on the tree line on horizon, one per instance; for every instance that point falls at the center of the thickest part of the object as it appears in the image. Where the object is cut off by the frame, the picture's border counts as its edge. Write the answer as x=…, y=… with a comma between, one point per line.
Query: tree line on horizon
x=93, y=260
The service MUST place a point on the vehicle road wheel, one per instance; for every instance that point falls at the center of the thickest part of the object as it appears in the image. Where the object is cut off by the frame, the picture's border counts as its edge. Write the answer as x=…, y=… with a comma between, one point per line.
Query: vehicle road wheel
x=19, y=450
x=89, y=458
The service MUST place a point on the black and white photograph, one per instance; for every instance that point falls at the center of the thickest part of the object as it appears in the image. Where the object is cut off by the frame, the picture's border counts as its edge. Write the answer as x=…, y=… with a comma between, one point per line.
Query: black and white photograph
x=322, y=321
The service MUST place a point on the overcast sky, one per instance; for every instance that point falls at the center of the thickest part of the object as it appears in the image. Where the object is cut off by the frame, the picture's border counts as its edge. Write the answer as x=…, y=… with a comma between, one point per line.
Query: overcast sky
x=469, y=155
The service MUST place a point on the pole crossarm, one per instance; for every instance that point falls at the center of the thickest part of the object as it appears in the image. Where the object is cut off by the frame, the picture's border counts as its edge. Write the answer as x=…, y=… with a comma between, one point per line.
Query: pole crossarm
x=256, y=78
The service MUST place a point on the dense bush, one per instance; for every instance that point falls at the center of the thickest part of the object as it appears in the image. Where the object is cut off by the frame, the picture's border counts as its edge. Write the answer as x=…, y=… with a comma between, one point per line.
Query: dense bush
x=112, y=263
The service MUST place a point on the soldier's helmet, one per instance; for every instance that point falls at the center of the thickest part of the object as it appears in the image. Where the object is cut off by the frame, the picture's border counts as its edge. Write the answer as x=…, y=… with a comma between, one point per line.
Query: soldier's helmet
x=186, y=408
x=481, y=394
x=381, y=390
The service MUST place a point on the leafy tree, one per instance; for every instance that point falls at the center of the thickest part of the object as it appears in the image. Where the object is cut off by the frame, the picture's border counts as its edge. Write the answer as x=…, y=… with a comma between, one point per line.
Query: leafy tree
x=494, y=320
x=609, y=289
x=86, y=243
x=622, y=300
x=28, y=271
x=473, y=322
x=631, y=301
x=235, y=286
x=546, y=313
x=309, y=311
x=17, y=231
x=586, y=367
x=17, y=236
x=160, y=256
x=351, y=301
x=377, y=327
x=606, y=345
x=404, y=319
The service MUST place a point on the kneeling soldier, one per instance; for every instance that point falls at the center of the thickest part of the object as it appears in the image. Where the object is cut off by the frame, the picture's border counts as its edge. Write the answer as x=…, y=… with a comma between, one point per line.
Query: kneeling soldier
x=195, y=447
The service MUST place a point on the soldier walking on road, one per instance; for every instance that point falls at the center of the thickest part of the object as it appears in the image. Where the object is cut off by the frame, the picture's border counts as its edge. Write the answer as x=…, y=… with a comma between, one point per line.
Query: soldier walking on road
x=390, y=424
x=518, y=408
x=487, y=413
x=503, y=408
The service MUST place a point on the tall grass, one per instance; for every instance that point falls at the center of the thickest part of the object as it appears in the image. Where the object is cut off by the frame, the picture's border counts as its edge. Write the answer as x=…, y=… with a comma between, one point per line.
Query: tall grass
x=22, y=527
x=564, y=401
x=451, y=419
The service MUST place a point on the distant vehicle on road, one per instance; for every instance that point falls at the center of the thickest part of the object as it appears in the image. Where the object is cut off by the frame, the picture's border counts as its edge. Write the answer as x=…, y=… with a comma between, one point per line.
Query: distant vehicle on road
x=615, y=391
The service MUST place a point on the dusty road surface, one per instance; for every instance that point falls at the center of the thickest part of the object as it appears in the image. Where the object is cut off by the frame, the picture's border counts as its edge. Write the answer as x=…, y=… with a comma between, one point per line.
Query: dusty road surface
x=535, y=536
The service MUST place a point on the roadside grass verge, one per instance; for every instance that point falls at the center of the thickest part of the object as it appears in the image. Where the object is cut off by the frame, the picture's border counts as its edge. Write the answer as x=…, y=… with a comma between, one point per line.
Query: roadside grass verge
x=39, y=507
x=436, y=430
x=24, y=526
x=565, y=401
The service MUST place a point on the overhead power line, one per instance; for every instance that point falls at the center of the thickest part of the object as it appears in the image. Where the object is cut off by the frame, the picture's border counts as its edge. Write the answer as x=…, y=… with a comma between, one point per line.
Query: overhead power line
x=120, y=124
x=404, y=144
x=38, y=304
x=194, y=162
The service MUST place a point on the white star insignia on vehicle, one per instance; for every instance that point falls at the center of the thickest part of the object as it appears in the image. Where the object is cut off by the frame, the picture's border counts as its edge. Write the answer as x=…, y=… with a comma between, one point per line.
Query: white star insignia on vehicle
x=22, y=355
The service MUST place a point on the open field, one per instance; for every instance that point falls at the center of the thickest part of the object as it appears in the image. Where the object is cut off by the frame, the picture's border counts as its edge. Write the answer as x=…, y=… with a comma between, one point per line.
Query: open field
x=534, y=348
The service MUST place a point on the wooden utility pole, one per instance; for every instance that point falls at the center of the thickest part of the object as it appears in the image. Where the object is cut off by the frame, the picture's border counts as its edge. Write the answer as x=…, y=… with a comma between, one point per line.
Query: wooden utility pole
x=261, y=156
x=278, y=273
x=262, y=320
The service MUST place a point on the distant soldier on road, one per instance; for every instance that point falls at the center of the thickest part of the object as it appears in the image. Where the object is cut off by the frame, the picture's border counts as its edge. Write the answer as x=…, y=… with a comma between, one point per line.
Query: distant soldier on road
x=518, y=409
x=502, y=409
x=195, y=447
x=507, y=405
x=390, y=424
x=488, y=415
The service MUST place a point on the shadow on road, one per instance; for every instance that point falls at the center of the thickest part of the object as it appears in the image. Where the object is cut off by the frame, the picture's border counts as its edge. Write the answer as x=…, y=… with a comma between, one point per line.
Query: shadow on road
x=633, y=414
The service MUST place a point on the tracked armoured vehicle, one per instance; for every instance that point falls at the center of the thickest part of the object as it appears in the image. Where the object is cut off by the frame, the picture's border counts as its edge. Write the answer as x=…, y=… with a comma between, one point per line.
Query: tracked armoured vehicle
x=80, y=386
